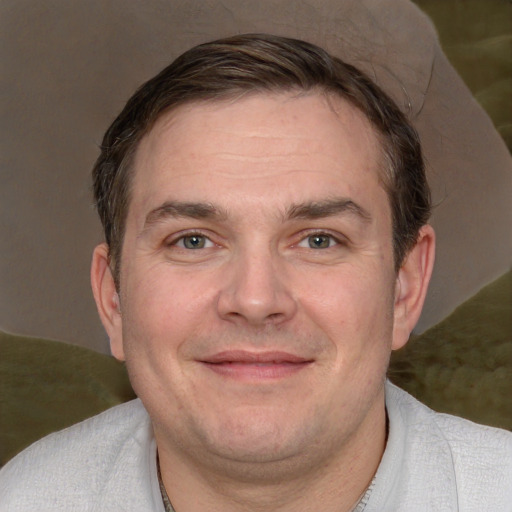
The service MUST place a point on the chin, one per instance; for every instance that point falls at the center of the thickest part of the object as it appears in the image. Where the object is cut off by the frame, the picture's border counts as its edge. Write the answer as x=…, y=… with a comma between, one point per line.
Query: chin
x=258, y=437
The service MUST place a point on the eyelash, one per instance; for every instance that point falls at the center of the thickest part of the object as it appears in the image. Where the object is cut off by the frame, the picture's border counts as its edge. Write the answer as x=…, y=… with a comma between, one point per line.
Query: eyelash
x=336, y=240
x=175, y=240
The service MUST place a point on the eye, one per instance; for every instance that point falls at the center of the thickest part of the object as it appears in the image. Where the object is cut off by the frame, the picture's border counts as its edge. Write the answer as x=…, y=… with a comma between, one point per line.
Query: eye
x=193, y=241
x=318, y=241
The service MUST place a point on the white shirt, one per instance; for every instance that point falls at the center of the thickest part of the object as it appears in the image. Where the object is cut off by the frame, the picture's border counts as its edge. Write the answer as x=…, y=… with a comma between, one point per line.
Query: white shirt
x=432, y=462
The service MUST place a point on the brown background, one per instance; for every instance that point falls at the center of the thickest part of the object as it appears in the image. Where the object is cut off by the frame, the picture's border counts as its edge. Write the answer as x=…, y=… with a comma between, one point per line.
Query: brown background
x=68, y=66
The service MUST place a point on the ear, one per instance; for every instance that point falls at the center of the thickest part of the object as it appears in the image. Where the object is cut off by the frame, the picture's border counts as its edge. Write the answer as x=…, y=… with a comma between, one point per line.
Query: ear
x=107, y=299
x=411, y=286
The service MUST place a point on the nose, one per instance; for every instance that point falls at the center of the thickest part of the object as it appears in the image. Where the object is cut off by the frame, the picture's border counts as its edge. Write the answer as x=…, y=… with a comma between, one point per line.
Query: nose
x=254, y=291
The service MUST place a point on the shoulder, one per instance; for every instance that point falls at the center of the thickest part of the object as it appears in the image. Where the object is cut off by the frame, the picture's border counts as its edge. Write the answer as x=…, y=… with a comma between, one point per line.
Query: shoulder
x=478, y=457
x=482, y=458
x=460, y=434
x=74, y=468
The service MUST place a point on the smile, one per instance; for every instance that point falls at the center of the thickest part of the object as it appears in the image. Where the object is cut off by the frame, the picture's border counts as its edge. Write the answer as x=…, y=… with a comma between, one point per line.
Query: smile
x=246, y=365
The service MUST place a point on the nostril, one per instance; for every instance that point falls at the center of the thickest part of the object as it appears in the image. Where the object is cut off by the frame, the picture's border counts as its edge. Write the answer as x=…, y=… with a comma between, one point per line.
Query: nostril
x=252, y=293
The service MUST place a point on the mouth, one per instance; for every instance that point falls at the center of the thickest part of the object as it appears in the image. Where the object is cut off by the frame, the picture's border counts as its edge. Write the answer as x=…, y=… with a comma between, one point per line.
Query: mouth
x=247, y=365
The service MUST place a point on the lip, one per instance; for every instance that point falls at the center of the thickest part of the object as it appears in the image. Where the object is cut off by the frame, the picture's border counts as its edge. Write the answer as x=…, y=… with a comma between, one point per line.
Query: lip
x=248, y=365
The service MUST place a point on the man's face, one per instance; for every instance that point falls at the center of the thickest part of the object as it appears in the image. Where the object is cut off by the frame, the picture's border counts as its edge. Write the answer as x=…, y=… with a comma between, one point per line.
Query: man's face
x=257, y=278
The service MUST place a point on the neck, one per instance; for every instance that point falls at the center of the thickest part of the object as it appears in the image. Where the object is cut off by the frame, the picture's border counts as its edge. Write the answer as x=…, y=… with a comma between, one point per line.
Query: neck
x=333, y=484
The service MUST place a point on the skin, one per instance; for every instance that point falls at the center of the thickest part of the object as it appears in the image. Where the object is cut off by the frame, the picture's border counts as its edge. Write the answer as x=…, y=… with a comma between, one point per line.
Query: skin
x=259, y=304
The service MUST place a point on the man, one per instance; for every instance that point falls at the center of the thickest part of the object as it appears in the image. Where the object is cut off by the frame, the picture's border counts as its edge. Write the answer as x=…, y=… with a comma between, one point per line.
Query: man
x=265, y=211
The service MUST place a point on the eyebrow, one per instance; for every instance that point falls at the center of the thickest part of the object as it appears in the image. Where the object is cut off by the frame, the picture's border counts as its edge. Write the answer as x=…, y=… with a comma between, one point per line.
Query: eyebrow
x=176, y=209
x=308, y=210
x=327, y=208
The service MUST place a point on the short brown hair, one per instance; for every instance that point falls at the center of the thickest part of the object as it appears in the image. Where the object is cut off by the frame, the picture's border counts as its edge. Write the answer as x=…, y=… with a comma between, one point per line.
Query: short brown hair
x=249, y=63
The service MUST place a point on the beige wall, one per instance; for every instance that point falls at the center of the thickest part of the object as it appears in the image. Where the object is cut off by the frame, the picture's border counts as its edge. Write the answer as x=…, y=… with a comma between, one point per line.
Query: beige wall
x=69, y=66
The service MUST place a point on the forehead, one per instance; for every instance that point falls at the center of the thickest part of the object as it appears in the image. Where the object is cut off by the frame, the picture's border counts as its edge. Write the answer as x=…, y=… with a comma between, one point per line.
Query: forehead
x=286, y=144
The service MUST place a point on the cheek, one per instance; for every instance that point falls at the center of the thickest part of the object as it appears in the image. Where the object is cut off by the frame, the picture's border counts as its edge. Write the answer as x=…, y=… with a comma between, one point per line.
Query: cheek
x=161, y=310
x=353, y=311
x=163, y=293
x=353, y=306
x=161, y=314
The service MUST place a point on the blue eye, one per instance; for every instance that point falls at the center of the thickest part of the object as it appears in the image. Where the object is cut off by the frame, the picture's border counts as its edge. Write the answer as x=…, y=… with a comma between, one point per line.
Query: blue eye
x=318, y=241
x=194, y=242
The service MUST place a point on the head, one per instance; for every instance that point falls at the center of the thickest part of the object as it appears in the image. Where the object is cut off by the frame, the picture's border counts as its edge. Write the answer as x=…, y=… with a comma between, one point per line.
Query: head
x=249, y=64
x=264, y=207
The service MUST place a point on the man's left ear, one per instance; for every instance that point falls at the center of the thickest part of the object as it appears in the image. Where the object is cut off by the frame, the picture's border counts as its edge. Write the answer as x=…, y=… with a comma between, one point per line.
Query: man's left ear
x=411, y=286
